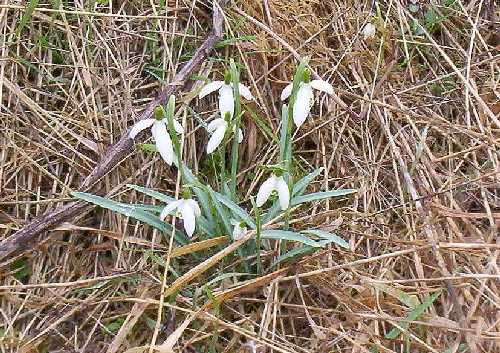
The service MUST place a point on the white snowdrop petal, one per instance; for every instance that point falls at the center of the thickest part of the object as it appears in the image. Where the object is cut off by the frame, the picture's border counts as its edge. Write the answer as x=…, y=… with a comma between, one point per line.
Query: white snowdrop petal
x=240, y=136
x=168, y=209
x=178, y=127
x=216, y=138
x=302, y=104
x=194, y=205
x=188, y=217
x=265, y=190
x=209, y=88
x=322, y=86
x=283, y=193
x=139, y=126
x=245, y=92
x=163, y=141
x=236, y=232
x=369, y=31
x=287, y=91
x=215, y=124
x=226, y=101
x=239, y=232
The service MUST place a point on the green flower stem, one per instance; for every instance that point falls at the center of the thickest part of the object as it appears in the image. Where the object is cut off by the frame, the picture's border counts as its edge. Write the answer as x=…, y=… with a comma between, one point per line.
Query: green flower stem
x=301, y=75
x=173, y=136
x=235, y=78
x=222, y=157
x=258, y=230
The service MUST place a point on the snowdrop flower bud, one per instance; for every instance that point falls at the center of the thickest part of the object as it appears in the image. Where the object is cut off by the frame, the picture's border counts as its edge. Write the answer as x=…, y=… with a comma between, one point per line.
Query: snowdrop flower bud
x=369, y=31
x=274, y=183
x=160, y=133
x=239, y=229
x=305, y=98
x=252, y=346
x=187, y=209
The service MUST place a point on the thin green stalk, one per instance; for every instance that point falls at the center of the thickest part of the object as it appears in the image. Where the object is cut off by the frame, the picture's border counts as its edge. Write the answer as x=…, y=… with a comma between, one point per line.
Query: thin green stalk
x=258, y=230
x=287, y=155
x=235, y=78
x=173, y=135
x=222, y=157
x=285, y=151
x=286, y=133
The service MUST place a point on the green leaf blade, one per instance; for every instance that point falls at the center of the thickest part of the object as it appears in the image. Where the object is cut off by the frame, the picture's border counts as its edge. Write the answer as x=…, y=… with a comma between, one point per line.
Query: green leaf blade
x=237, y=210
x=301, y=185
x=130, y=211
x=331, y=238
x=151, y=192
x=288, y=235
x=321, y=196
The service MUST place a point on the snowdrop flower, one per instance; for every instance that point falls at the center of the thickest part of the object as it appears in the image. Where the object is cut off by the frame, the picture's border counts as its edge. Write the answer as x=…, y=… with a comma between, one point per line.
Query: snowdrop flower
x=188, y=209
x=274, y=183
x=239, y=229
x=305, y=98
x=369, y=31
x=252, y=346
x=217, y=128
x=226, y=97
x=160, y=134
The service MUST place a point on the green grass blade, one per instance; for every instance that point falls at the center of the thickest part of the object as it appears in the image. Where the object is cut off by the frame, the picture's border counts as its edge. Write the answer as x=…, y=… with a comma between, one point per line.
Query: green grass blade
x=414, y=314
x=410, y=301
x=227, y=42
x=262, y=125
x=26, y=18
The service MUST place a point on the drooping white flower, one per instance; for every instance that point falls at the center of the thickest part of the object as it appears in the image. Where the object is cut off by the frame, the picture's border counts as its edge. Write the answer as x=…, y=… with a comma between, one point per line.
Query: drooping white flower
x=274, y=183
x=305, y=98
x=369, y=31
x=217, y=128
x=226, y=97
x=239, y=229
x=252, y=346
x=160, y=134
x=187, y=209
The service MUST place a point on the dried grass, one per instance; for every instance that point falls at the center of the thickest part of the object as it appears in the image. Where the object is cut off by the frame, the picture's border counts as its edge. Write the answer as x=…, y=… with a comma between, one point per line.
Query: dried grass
x=422, y=149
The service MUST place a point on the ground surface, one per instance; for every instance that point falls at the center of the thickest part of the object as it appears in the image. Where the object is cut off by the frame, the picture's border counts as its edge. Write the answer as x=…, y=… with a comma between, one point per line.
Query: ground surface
x=418, y=135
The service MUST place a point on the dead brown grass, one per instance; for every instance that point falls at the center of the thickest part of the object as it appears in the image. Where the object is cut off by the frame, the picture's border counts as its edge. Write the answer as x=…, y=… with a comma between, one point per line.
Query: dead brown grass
x=421, y=146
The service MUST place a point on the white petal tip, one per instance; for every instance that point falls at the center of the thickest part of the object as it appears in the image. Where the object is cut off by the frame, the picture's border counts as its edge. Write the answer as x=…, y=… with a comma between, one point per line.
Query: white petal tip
x=287, y=91
x=209, y=88
x=322, y=86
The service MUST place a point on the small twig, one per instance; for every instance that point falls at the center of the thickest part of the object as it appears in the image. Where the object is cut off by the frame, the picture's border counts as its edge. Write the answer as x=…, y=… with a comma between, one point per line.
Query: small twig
x=24, y=239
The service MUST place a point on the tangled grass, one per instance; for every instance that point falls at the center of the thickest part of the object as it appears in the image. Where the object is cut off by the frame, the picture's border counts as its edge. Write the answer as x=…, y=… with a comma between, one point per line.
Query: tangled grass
x=414, y=127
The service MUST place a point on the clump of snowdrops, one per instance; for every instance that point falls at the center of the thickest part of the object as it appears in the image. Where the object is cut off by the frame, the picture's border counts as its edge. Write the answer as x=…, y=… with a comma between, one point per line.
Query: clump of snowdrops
x=207, y=211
